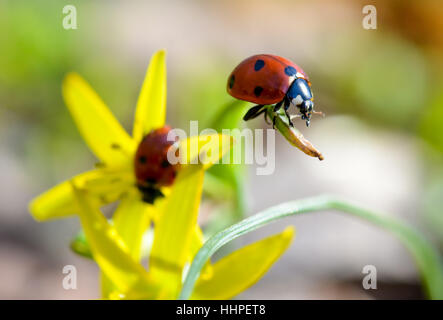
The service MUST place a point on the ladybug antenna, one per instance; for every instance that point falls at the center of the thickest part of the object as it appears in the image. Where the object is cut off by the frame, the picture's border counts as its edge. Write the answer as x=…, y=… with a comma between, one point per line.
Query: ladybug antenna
x=319, y=113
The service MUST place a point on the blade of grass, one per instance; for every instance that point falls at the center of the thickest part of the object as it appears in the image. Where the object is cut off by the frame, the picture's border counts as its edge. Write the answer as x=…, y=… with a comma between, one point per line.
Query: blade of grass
x=425, y=255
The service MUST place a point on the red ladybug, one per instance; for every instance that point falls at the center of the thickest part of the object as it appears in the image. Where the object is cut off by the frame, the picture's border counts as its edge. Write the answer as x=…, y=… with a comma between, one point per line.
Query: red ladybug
x=152, y=168
x=268, y=79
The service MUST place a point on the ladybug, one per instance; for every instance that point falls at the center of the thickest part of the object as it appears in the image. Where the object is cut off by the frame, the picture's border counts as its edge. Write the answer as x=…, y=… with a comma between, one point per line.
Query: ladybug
x=151, y=165
x=267, y=79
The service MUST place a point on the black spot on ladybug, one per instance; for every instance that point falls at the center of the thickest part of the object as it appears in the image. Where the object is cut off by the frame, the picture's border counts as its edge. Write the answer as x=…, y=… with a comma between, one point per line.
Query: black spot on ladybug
x=165, y=164
x=115, y=146
x=290, y=71
x=259, y=64
x=142, y=159
x=231, y=81
x=258, y=91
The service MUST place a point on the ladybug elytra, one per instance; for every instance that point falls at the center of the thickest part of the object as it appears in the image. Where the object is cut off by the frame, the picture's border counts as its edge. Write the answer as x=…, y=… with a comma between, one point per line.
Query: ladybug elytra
x=267, y=79
x=151, y=165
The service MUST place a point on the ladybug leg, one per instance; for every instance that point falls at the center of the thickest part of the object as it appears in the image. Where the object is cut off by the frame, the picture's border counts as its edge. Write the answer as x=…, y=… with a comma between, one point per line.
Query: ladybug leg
x=150, y=193
x=278, y=106
x=253, y=112
x=259, y=113
x=266, y=116
x=264, y=110
x=286, y=107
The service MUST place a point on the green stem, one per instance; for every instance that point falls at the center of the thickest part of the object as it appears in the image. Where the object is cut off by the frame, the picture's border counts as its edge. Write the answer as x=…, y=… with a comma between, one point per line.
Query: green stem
x=425, y=255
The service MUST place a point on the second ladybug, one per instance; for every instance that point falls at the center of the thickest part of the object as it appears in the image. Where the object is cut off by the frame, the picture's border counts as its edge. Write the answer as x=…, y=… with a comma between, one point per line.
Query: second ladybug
x=267, y=79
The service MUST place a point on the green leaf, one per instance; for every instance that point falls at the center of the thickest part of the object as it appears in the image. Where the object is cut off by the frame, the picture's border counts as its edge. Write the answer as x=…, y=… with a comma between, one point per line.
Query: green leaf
x=80, y=245
x=291, y=134
x=230, y=117
x=425, y=255
x=217, y=188
x=431, y=125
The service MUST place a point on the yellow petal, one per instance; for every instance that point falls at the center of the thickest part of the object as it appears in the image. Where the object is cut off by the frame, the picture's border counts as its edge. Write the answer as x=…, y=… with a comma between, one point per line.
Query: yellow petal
x=131, y=220
x=59, y=202
x=204, y=149
x=108, y=289
x=98, y=126
x=151, y=105
x=241, y=269
x=109, y=184
x=109, y=249
x=174, y=229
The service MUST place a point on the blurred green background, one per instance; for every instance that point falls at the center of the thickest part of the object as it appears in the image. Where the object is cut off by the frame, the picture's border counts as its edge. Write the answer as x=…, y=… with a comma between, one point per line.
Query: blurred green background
x=382, y=138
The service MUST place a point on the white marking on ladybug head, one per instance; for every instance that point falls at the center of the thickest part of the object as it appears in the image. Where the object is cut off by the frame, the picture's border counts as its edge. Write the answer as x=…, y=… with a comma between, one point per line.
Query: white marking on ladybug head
x=297, y=100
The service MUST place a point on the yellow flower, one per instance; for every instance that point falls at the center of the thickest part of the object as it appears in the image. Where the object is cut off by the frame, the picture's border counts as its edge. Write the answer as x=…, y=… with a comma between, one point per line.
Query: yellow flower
x=116, y=246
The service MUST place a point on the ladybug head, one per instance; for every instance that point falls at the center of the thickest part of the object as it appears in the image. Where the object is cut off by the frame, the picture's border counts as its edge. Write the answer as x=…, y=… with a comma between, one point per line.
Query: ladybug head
x=306, y=109
x=301, y=96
